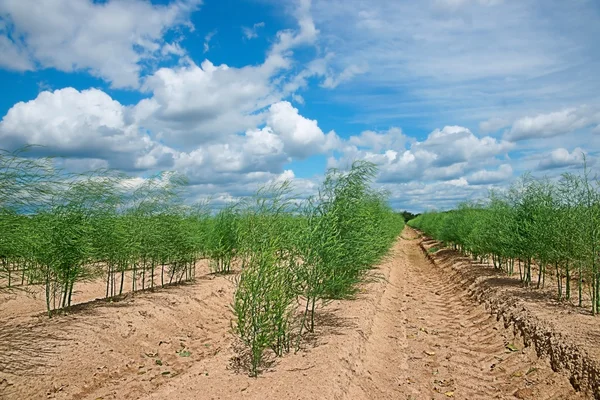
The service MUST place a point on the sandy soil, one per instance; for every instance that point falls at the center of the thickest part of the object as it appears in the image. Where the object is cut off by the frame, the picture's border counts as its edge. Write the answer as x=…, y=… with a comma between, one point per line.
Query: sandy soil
x=562, y=332
x=414, y=334
x=30, y=299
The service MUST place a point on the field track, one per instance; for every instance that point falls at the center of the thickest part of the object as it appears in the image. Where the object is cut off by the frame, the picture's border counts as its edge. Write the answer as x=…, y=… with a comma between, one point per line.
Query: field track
x=413, y=334
x=444, y=344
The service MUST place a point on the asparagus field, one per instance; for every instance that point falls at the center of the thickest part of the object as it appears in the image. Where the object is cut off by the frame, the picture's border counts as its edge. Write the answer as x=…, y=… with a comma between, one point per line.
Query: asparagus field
x=277, y=296
x=536, y=227
x=59, y=230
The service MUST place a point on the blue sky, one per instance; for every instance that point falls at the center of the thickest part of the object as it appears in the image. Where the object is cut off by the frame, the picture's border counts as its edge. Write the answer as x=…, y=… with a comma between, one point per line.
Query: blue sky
x=449, y=97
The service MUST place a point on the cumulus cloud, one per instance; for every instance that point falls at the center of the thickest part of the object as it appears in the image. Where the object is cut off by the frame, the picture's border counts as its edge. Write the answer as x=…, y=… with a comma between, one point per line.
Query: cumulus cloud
x=197, y=103
x=229, y=129
x=553, y=124
x=405, y=166
x=92, y=130
x=111, y=40
x=455, y=144
x=86, y=124
x=445, y=155
x=486, y=177
x=236, y=130
x=393, y=138
x=238, y=161
x=246, y=185
x=561, y=158
x=449, y=173
x=194, y=104
x=232, y=123
x=301, y=136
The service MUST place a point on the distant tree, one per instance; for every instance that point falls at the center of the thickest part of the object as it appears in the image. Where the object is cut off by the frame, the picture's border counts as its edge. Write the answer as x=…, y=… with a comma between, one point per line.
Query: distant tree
x=408, y=215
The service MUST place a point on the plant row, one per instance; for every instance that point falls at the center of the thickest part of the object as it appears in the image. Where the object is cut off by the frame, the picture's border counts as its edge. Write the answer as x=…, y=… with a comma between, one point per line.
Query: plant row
x=537, y=226
x=297, y=257
x=58, y=229
x=290, y=256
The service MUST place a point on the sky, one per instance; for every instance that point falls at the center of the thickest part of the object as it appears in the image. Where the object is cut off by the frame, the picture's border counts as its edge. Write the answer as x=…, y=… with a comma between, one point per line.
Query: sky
x=450, y=98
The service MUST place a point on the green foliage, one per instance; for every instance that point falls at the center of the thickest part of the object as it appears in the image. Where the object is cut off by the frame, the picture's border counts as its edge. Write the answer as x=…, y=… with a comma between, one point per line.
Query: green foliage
x=306, y=254
x=222, y=239
x=263, y=302
x=59, y=229
x=407, y=215
x=546, y=225
x=293, y=255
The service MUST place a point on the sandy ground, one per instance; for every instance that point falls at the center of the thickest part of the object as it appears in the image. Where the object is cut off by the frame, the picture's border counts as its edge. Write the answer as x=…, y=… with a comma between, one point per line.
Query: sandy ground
x=560, y=331
x=414, y=334
x=31, y=299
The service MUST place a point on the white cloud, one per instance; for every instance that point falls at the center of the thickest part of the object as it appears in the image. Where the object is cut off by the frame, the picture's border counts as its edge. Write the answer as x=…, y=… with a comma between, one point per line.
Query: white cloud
x=419, y=196
x=553, y=124
x=111, y=40
x=306, y=35
x=449, y=173
x=230, y=129
x=486, y=177
x=315, y=68
x=264, y=142
x=393, y=138
x=255, y=156
x=460, y=182
x=561, y=158
x=207, y=40
x=13, y=56
x=200, y=108
x=332, y=81
x=87, y=124
x=493, y=125
x=432, y=59
x=252, y=33
x=245, y=185
x=172, y=48
x=92, y=130
x=446, y=155
x=301, y=136
x=298, y=98
x=193, y=104
x=455, y=144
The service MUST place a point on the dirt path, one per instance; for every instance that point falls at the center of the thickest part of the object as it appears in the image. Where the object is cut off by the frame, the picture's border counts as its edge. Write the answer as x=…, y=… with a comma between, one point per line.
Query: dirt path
x=415, y=334
x=431, y=341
